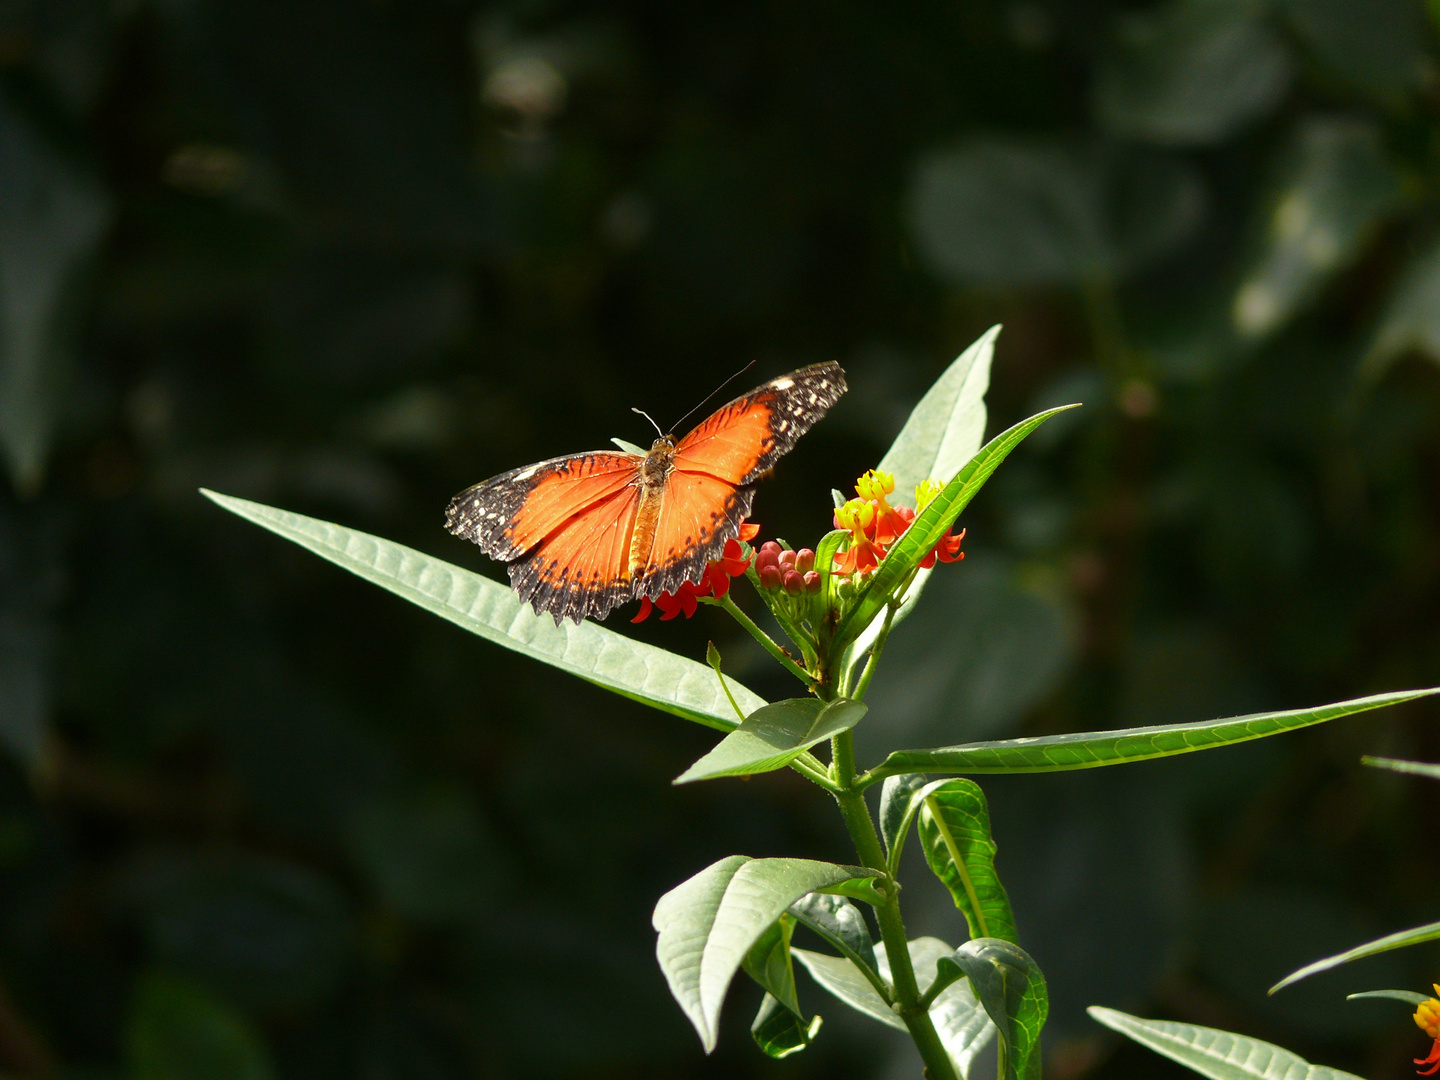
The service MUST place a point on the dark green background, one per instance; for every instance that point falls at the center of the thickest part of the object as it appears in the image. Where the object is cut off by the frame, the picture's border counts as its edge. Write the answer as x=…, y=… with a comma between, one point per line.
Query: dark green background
x=260, y=819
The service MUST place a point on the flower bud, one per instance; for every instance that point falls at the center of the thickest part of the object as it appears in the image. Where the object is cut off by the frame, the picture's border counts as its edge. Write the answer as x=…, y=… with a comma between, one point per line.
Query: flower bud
x=812, y=581
x=769, y=576
x=793, y=582
x=769, y=555
x=805, y=560
x=787, y=560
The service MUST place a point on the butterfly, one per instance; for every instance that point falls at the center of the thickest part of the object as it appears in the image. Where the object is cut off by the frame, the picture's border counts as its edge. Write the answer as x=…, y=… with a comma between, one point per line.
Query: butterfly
x=587, y=532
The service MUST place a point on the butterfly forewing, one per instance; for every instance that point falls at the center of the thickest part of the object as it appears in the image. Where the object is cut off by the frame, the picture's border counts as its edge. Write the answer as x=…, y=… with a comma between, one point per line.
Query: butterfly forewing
x=585, y=533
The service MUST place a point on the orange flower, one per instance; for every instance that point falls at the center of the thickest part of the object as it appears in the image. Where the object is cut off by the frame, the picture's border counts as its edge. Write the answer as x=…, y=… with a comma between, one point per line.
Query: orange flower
x=863, y=554
x=1427, y=1018
x=715, y=581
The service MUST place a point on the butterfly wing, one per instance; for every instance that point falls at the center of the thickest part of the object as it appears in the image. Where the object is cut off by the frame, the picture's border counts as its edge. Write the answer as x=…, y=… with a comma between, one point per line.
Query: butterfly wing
x=564, y=526
x=715, y=468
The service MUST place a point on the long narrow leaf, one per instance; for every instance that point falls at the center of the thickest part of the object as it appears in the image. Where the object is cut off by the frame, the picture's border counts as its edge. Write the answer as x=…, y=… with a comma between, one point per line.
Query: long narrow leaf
x=1220, y=1055
x=931, y=524
x=1399, y=940
x=1092, y=749
x=633, y=669
x=1414, y=768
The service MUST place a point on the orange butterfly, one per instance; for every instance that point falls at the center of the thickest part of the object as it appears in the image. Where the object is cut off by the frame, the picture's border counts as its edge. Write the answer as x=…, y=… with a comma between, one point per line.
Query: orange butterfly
x=585, y=533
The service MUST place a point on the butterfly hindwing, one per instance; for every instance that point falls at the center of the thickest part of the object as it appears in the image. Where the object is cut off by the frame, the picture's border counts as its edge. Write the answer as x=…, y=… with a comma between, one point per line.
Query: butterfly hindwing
x=698, y=513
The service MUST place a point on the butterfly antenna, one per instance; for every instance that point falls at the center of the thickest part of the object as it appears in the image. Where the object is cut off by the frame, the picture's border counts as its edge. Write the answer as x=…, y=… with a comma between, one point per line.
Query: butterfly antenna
x=710, y=395
x=647, y=416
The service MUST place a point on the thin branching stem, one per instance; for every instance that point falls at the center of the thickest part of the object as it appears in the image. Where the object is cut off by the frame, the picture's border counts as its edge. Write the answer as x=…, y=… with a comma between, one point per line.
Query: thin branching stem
x=765, y=640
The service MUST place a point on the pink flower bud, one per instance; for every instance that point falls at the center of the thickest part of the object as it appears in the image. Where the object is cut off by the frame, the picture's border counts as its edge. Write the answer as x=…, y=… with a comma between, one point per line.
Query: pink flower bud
x=787, y=560
x=812, y=580
x=769, y=556
x=805, y=560
x=769, y=577
x=793, y=582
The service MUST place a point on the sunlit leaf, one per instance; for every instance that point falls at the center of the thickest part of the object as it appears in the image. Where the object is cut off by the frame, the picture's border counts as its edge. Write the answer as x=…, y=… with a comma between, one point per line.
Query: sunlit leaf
x=52, y=219
x=1219, y=1055
x=942, y=433
x=1089, y=750
x=775, y=735
x=1013, y=211
x=1009, y=985
x=490, y=610
x=708, y=925
x=1399, y=940
x=955, y=831
x=958, y=1016
x=1338, y=185
x=931, y=525
x=1191, y=72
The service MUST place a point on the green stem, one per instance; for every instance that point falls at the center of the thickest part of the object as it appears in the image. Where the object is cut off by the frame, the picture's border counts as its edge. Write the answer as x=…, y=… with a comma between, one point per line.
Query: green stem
x=938, y=1065
x=766, y=642
x=875, y=650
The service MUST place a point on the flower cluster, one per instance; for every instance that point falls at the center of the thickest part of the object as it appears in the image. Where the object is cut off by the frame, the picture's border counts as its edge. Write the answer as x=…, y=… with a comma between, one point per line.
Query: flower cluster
x=715, y=581
x=874, y=525
x=1427, y=1018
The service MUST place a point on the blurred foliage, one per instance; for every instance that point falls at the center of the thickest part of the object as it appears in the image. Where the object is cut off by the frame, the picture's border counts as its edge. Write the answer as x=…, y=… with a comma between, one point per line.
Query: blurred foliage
x=257, y=819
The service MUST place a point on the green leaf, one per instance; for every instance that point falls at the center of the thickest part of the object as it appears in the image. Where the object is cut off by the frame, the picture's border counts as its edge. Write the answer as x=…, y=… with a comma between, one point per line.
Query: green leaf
x=1410, y=997
x=1399, y=940
x=628, y=447
x=931, y=525
x=1089, y=750
x=1411, y=319
x=1381, y=47
x=1191, y=72
x=775, y=735
x=1012, y=990
x=779, y=1032
x=839, y=921
x=1416, y=768
x=52, y=221
x=1220, y=1055
x=178, y=1031
x=1011, y=210
x=768, y=963
x=947, y=426
x=1338, y=186
x=899, y=799
x=961, y=1022
x=708, y=925
x=955, y=831
x=943, y=432
x=492, y=611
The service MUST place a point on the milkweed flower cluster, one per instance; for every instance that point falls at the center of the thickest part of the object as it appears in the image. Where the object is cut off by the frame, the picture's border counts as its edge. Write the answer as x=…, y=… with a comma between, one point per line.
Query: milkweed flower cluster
x=874, y=525
x=1427, y=1018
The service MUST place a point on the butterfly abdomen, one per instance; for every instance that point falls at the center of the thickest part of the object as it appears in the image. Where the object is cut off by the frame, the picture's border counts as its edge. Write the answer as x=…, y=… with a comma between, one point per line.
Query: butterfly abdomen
x=654, y=474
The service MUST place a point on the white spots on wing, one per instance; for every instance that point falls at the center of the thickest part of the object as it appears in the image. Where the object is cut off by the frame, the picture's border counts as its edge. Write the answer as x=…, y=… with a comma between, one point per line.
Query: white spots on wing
x=525, y=474
x=783, y=383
